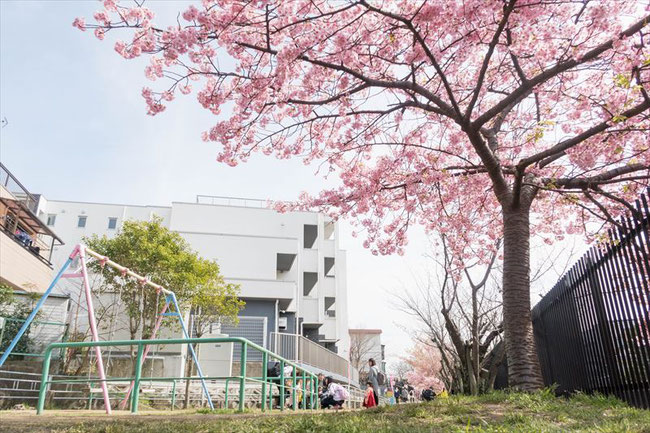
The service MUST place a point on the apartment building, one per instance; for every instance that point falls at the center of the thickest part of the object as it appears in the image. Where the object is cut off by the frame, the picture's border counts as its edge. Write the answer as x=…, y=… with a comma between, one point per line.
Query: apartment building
x=289, y=266
x=26, y=248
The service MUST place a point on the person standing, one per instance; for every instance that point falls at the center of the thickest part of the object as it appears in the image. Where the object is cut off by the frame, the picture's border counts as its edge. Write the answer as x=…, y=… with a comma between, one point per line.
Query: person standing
x=373, y=378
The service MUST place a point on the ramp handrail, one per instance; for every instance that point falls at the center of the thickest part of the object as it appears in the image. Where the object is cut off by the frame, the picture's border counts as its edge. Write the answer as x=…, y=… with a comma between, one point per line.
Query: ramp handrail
x=306, y=376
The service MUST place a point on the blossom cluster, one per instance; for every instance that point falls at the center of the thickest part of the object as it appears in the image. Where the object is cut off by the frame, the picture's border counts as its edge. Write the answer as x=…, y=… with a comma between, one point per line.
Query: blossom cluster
x=377, y=99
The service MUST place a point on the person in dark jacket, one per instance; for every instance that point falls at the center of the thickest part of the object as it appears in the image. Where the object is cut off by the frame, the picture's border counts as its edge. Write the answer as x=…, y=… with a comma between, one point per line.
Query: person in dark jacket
x=373, y=375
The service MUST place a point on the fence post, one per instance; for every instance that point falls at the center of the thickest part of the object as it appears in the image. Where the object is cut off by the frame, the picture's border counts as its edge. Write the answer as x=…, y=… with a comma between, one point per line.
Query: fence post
x=173, y=393
x=225, y=403
x=90, y=395
x=135, y=393
x=304, y=389
x=242, y=380
x=281, y=385
x=44, y=381
x=265, y=361
x=293, y=389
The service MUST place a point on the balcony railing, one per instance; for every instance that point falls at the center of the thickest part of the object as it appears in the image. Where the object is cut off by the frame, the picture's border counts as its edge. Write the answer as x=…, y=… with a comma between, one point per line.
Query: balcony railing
x=232, y=201
x=300, y=349
x=17, y=189
x=36, y=246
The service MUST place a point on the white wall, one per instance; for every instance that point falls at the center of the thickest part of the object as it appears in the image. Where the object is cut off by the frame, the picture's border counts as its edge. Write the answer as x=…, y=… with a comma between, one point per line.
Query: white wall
x=243, y=240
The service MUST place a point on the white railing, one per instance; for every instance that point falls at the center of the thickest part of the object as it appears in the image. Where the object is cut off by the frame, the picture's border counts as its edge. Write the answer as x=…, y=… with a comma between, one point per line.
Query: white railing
x=300, y=349
x=232, y=201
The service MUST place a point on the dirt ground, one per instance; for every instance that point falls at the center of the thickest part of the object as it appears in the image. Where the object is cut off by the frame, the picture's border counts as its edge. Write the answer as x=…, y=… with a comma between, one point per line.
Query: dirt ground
x=28, y=421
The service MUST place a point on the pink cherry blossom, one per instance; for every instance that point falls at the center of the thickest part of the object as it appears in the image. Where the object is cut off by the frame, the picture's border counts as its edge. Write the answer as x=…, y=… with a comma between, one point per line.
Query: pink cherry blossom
x=476, y=118
x=79, y=23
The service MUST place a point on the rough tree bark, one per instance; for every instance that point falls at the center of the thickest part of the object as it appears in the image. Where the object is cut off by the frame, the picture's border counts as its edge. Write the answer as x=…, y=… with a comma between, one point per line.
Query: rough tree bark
x=523, y=364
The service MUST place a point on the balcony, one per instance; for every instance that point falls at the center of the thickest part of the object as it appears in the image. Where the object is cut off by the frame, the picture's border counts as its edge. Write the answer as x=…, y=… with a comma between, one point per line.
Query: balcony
x=27, y=243
x=265, y=289
x=21, y=267
x=14, y=189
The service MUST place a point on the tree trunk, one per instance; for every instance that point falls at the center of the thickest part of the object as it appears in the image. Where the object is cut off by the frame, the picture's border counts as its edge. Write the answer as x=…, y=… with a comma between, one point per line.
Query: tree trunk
x=475, y=364
x=523, y=365
x=469, y=367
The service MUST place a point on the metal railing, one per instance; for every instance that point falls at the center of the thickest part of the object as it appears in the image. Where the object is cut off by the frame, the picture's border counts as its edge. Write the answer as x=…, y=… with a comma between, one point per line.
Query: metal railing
x=286, y=385
x=38, y=249
x=40, y=333
x=592, y=329
x=305, y=351
x=232, y=201
x=12, y=184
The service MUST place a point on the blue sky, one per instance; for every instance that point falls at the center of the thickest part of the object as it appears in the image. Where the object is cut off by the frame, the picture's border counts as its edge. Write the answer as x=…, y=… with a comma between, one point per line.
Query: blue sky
x=78, y=130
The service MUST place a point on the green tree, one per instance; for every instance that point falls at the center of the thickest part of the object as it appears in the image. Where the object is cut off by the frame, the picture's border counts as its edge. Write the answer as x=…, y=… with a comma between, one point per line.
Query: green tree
x=14, y=312
x=164, y=257
x=6, y=298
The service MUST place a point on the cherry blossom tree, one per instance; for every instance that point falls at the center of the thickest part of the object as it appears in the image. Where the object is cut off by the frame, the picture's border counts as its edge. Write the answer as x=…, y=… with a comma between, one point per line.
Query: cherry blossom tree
x=425, y=368
x=479, y=119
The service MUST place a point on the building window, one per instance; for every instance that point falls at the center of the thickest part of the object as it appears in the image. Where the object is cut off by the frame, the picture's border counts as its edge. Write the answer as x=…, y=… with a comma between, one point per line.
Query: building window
x=309, y=280
x=51, y=219
x=112, y=223
x=81, y=222
x=310, y=233
x=330, y=308
x=329, y=266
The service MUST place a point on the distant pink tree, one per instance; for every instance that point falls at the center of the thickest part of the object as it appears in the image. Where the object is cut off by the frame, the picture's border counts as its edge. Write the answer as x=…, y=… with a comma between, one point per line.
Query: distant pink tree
x=478, y=119
x=425, y=369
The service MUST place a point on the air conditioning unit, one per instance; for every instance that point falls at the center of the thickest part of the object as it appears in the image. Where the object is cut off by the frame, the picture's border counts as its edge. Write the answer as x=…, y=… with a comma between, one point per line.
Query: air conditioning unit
x=282, y=323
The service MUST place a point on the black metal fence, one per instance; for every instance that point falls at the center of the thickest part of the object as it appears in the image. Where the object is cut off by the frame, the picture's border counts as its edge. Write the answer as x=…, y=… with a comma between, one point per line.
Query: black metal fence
x=593, y=328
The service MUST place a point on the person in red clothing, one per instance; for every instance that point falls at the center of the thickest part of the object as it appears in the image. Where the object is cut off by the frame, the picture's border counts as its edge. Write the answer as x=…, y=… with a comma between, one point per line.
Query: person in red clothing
x=369, y=400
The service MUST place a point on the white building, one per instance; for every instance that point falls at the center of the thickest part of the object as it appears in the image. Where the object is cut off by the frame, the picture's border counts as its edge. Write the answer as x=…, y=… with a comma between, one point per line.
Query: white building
x=289, y=266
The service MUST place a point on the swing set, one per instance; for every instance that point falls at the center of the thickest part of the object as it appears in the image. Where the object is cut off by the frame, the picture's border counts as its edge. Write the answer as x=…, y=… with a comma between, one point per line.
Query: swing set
x=170, y=309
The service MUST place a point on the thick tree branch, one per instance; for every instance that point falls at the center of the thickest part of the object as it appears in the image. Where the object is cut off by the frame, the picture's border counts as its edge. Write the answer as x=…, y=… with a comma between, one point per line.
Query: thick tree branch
x=551, y=154
x=507, y=10
x=591, y=182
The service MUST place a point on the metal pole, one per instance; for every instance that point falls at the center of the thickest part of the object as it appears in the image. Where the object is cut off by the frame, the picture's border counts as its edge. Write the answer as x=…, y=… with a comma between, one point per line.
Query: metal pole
x=242, y=372
x=44, y=382
x=293, y=389
x=304, y=389
x=265, y=361
x=146, y=351
x=38, y=306
x=173, y=393
x=281, y=385
x=93, y=329
x=172, y=297
x=225, y=403
x=90, y=396
x=136, y=380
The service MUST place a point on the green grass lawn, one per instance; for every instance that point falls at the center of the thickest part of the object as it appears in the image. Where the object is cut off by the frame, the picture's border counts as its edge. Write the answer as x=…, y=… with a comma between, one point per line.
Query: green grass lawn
x=495, y=412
